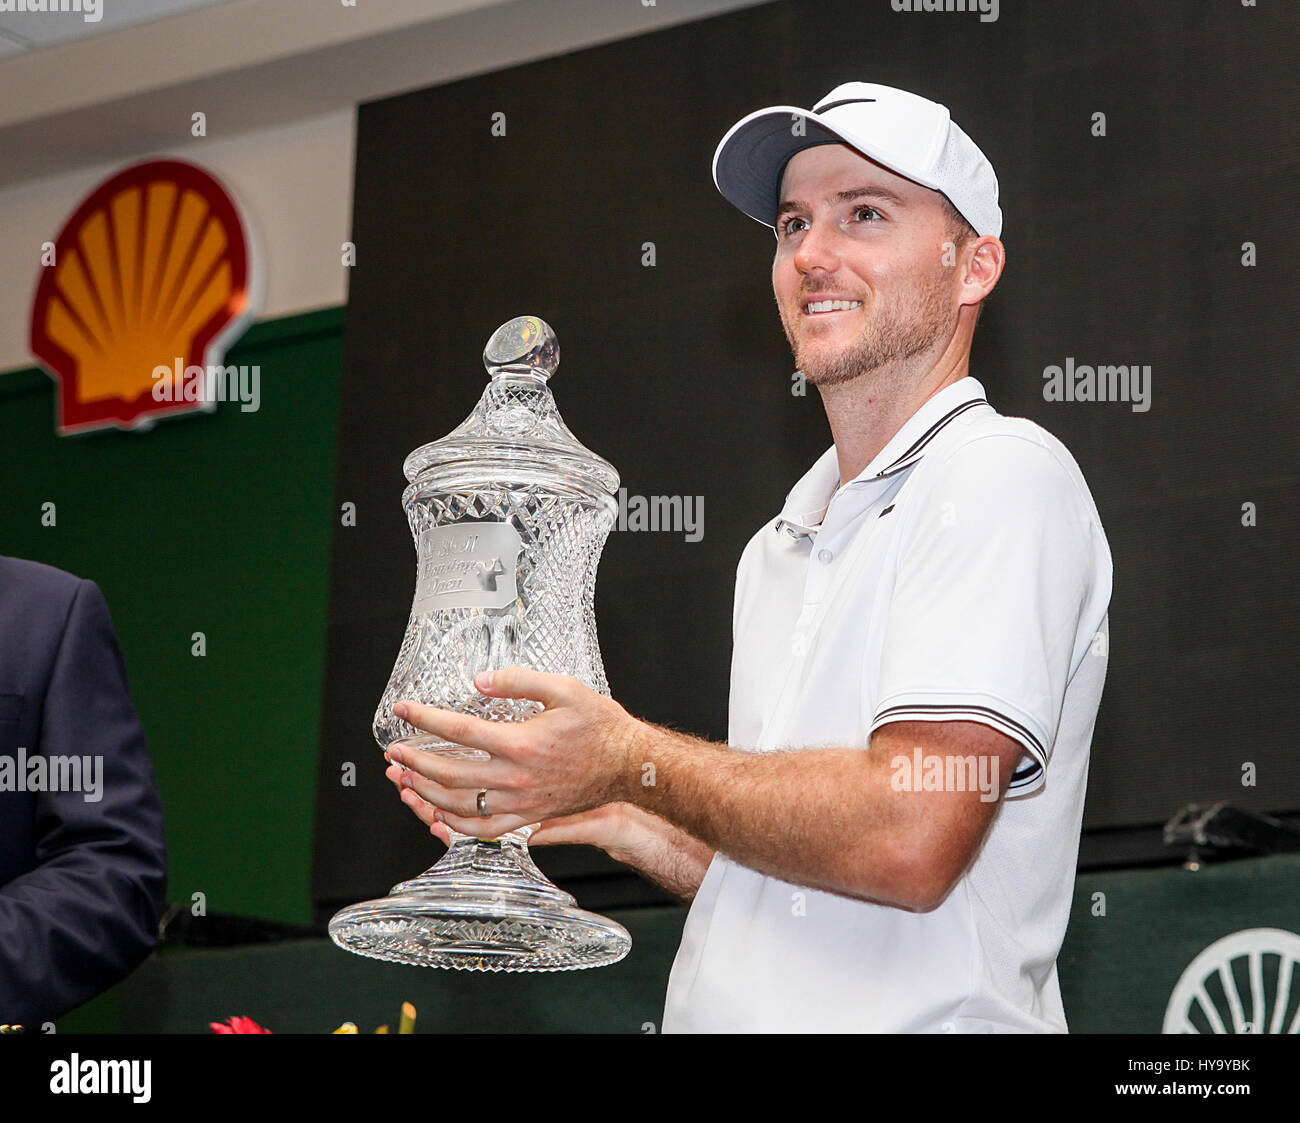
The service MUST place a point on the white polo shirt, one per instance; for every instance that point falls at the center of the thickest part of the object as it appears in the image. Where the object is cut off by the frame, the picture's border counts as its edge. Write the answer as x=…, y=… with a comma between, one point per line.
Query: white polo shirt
x=963, y=576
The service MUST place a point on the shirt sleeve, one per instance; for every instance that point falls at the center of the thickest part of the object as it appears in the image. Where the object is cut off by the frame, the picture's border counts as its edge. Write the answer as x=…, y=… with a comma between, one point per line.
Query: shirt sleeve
x=88, y=913
x=998, y=563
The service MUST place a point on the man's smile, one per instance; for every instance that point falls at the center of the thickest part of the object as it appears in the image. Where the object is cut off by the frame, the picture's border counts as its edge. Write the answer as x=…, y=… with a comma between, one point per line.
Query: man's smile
x=828, y=307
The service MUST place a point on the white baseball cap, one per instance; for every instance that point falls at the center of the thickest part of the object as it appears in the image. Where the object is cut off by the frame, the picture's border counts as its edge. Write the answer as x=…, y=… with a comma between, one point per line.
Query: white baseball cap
x=910, y=135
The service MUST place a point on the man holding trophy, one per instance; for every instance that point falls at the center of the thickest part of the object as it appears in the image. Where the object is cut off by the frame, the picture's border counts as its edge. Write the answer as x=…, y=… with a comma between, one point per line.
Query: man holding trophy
x=888, y=841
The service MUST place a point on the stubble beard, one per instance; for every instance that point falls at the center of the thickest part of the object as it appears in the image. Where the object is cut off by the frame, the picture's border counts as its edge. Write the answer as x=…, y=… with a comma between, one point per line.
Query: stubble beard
x=897, y=331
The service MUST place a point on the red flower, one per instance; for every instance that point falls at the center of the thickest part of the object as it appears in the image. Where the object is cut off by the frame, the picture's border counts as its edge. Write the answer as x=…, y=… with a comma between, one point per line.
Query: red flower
x=237, y=1024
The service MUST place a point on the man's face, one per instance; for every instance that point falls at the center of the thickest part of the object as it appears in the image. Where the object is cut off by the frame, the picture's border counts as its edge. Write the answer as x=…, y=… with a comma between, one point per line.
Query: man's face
x=882, y=248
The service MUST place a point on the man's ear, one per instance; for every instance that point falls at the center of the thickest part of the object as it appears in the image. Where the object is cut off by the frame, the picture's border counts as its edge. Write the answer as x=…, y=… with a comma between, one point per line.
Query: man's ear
x=983, y=261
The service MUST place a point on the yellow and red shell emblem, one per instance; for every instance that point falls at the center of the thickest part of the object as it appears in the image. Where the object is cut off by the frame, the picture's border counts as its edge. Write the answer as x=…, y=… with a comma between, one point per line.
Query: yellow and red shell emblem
x=152, y=270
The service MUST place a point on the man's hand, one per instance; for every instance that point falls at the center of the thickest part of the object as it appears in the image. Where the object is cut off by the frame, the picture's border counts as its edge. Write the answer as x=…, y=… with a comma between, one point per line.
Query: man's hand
x=608, y=827
x=569, y=759
x=652, y=846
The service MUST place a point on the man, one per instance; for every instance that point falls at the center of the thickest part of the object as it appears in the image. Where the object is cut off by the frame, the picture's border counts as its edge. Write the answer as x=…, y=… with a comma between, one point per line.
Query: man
x=83, y=866
x=888, y=842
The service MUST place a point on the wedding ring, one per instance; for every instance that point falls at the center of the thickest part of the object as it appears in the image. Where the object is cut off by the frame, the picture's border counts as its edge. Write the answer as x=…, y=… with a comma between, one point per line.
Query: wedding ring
x=482, y=804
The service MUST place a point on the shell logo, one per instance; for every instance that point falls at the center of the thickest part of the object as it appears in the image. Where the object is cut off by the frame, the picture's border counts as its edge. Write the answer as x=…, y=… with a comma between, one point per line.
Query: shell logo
x=152, y=270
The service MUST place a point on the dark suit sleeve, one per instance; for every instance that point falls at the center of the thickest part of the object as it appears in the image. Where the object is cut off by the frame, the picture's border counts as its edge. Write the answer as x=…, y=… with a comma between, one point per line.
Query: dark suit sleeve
x=88, y=913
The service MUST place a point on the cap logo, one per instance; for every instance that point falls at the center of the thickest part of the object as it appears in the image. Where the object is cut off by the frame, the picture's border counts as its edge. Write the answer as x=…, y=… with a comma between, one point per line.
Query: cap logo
x=842, y=101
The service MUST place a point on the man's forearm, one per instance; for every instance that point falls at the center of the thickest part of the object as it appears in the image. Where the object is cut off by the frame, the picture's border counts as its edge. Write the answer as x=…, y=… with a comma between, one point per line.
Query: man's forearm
x=782, y=813
x=664, y=853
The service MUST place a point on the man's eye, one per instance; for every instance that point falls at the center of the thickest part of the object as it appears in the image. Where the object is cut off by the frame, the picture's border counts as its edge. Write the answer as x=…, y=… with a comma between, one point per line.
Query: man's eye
x=786, y=226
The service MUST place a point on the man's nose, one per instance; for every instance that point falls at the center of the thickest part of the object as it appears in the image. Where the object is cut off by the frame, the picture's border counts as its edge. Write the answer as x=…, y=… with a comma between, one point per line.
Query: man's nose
x=817, y=248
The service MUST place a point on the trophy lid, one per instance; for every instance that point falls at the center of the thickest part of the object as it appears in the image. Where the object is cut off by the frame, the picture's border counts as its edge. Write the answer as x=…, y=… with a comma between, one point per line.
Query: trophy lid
x=516, y=424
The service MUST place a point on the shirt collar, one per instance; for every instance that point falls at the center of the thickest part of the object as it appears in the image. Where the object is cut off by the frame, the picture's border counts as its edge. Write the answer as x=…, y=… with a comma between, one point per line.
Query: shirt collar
x=807, y=502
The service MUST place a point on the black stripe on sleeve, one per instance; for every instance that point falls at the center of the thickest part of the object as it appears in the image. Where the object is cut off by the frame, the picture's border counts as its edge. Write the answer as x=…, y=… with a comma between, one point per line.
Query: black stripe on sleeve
x=1025, y=774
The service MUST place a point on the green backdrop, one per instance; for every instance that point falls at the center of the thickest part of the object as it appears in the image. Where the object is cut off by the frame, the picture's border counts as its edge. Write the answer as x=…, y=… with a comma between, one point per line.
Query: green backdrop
x=215, y=523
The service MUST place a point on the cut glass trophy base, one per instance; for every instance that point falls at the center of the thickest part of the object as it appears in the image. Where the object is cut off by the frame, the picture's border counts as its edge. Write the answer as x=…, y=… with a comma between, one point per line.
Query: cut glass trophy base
x=484, y=907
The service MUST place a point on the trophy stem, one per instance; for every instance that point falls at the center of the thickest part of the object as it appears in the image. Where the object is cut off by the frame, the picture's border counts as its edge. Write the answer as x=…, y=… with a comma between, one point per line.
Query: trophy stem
x=485, y=906
x=492, y=864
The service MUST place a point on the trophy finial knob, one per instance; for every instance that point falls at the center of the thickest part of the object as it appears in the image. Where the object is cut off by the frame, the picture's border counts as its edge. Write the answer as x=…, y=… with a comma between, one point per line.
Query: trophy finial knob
x=525, y=343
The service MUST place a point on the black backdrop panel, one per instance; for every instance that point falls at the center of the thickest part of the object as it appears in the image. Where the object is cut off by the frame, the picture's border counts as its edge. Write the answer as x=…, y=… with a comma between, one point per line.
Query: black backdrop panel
x=1121, y=249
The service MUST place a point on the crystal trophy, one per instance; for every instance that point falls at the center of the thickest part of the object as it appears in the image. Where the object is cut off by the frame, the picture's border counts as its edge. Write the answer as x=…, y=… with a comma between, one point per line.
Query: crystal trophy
x=509, y=513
